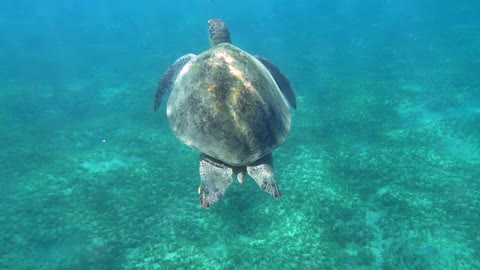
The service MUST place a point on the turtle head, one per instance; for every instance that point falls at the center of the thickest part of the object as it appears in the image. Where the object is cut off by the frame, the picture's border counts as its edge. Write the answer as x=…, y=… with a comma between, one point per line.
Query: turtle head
x=218, y=32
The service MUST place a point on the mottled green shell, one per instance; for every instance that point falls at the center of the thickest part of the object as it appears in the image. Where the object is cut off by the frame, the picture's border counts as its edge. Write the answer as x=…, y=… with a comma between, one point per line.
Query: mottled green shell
x=226, y=104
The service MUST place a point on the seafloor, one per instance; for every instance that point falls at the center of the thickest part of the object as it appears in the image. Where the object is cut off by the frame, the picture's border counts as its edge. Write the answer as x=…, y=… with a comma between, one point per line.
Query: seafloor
x=381, y=171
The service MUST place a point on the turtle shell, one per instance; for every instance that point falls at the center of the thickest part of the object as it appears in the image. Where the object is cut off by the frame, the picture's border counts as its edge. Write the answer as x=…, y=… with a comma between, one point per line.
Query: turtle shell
x=226, y=104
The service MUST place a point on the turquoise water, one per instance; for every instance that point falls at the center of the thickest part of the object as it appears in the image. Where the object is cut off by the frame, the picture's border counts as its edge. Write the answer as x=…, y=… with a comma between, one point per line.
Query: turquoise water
x=381, y=169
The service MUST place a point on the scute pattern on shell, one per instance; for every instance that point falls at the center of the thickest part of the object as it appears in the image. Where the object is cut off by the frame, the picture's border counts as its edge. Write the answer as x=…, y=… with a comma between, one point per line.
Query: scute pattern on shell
x=226, y=104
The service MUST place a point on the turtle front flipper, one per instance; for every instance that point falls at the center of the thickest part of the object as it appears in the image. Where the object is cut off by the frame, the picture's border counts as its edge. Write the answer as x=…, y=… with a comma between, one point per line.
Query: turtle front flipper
x=169, y=78
x=281, y=80
x=262, y=172
x=215, y=178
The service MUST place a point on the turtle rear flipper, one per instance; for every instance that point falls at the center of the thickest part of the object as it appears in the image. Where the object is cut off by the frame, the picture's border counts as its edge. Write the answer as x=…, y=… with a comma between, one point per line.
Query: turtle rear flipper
x=281, y=80
x=169, y=78
x=262, y=172
x=215, y=178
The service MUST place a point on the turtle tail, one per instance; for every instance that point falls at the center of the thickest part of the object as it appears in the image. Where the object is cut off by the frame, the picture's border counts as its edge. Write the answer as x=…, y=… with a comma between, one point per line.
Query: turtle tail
x=218, y=32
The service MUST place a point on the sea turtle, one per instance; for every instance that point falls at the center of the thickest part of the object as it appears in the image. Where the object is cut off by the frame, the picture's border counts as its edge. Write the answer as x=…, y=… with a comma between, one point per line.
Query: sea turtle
x=232, y=107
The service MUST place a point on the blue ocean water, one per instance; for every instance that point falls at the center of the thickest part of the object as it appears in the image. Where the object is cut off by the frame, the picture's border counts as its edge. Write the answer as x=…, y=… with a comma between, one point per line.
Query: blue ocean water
x=381, y=169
